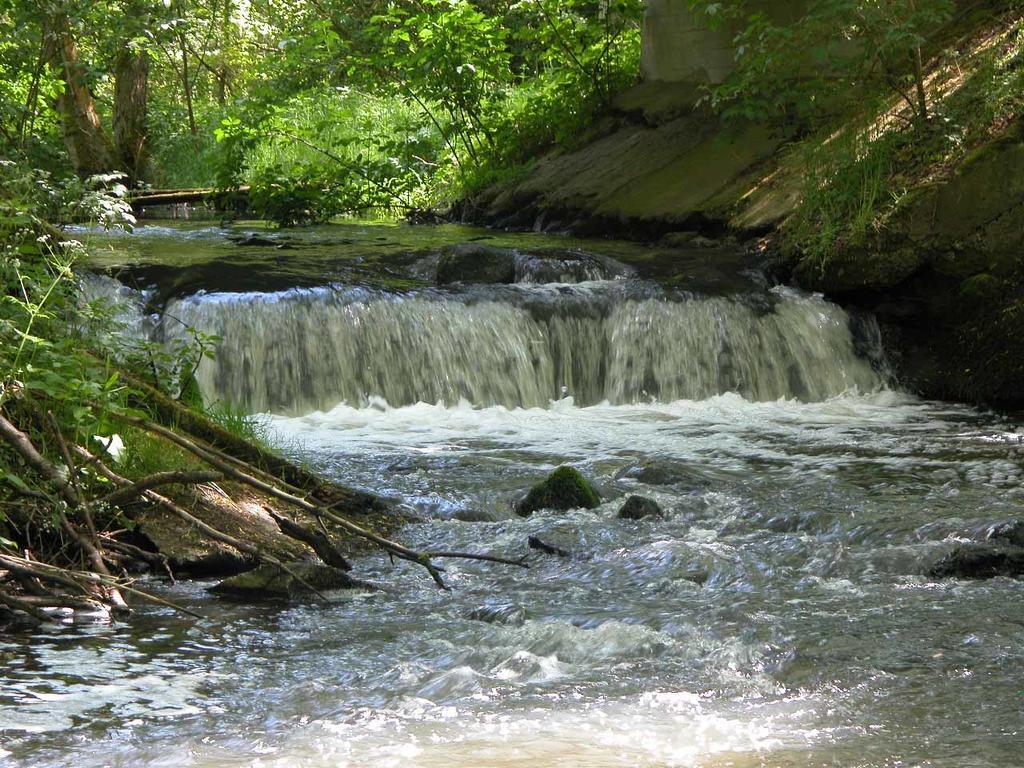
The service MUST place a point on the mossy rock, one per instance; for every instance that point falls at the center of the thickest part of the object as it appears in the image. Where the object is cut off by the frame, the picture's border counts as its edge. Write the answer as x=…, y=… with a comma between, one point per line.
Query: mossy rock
x=268, y=582
x=639, y=508
x=983, y=288
x=563, y=489
x=476, y=263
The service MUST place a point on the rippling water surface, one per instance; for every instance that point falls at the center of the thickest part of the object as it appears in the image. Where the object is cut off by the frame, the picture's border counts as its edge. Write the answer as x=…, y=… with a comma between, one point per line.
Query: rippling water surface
x=777, y=616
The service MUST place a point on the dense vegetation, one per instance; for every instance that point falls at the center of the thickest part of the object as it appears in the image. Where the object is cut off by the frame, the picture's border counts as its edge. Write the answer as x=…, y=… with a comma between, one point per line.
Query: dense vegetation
x=325, y=107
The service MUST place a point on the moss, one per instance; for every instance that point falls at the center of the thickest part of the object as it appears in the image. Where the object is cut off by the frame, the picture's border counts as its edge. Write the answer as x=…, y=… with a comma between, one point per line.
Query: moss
x=640, y=507
x=983, y=287
x=563, y=489
x=268, y=582
x=855, y=270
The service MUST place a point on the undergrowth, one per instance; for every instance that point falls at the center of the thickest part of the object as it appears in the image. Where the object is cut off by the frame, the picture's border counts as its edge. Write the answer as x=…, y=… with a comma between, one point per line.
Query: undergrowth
x=856, y=178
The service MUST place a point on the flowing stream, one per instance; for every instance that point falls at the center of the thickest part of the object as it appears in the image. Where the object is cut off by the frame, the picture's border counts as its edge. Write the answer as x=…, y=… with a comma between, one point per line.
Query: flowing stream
x=778, y=615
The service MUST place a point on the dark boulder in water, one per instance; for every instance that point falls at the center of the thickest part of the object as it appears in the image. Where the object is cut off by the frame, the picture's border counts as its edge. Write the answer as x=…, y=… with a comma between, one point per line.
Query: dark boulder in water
x=980, y=561
x=476, y=263
x=1011, y=533
x=639, y=508
x=251, y=240
x=563, y=489
x=268, y=582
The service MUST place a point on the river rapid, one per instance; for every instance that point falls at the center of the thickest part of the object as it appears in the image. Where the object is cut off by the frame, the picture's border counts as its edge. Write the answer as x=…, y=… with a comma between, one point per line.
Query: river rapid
x=779, y=615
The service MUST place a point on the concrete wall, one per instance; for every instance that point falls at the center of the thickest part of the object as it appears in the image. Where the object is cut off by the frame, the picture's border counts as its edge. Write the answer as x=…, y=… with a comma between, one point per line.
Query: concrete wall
x=679, y=48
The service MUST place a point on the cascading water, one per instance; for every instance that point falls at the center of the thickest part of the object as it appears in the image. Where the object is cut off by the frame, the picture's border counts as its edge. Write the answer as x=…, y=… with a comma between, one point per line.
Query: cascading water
x=521, y=347
x=779, y=614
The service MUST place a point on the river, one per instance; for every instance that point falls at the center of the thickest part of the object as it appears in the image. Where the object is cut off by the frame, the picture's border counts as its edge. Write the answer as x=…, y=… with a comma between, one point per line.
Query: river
x=779, y=615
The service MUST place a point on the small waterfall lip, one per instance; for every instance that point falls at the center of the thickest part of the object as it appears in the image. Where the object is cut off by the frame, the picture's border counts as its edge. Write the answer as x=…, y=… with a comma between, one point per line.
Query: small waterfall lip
x=532, y=296
x=521, y=345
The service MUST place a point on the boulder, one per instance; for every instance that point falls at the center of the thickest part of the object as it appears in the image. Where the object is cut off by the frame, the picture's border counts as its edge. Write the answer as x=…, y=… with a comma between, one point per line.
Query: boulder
x=661, y=472
x=476, y=263
x=473, y=516
x=640, y=507
x=980, y=561
x=268, y=582
x=1010, y=533
x=563, y=489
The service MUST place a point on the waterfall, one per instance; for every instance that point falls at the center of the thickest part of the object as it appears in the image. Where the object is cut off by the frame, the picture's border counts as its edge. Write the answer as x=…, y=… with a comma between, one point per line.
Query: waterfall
x=304, y=350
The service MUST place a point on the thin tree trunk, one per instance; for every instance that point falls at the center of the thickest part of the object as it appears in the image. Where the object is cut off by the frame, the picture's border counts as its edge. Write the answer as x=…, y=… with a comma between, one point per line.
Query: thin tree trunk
x=186, y=83
x=89, y=147
x=922, y=94
x=131, y=95
x=28, y=117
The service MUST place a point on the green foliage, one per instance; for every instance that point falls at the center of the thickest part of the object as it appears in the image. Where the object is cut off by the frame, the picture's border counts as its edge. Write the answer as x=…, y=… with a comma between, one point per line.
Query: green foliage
x=246, y=426
x=800, y=69
x=327, y=107
x=467, y=95
x=847, y=186
x=858, y=176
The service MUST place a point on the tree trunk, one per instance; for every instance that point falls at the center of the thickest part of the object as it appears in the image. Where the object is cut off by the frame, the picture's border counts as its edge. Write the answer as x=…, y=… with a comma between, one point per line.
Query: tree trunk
x=131, y=92
x=88, y=144
x=922, y=93
x=186, y=84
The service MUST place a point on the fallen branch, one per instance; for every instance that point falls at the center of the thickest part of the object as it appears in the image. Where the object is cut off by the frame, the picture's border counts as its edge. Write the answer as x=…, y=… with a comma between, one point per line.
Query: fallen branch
x=69, y=491
x=23, y=446
x=547, y=549
x=138, y=488
x=233, y=448
x=519, y=562
x=19, y=604
x=321, y=544
x=75, y=579
x=228, y=469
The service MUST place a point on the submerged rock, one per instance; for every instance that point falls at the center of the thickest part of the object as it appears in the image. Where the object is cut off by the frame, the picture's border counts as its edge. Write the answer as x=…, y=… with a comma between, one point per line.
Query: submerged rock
x=640, y=507
x=568, y=266
x=268, y=582
x=660, y=472
x=534, y=542
x=473, y=516
x=980, y=561
x=507, y=613
x=476, y=263
x=253, y=241
x=563, y=489
x=688, y=240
